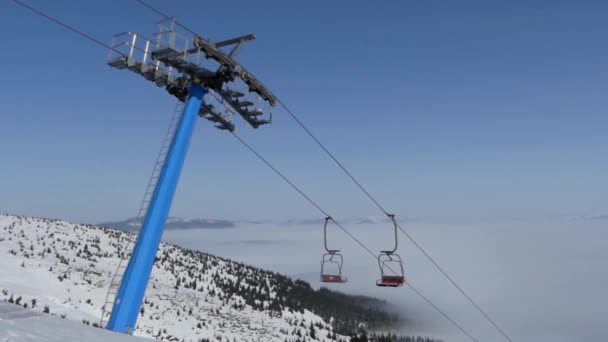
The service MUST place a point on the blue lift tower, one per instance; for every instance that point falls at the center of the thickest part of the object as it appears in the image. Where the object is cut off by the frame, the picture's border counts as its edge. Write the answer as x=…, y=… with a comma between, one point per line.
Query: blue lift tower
x=205, y=79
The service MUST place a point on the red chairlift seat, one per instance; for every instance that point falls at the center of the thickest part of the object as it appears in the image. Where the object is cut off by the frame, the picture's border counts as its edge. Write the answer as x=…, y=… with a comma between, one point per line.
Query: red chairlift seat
x=333, y=278
x=391, y=266
x=390, y=281
x=332, y=258
x=391, y=270
x=326, y=278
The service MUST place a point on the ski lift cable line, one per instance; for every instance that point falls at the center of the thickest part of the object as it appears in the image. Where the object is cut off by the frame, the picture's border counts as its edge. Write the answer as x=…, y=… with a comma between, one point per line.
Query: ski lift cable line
x=409, y=236
x=72, y=28
x=90, y=38
x=362, y=188
x=155, y=10
x=64, y=25
x=353, y=237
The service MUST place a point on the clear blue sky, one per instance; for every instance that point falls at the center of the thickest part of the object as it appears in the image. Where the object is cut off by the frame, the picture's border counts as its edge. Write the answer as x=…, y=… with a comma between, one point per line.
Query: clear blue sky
x=468, y=109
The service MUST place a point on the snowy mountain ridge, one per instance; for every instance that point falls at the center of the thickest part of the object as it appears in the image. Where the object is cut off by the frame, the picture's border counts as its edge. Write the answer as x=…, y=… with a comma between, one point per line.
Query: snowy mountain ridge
x=64, y=269
x=173, y=223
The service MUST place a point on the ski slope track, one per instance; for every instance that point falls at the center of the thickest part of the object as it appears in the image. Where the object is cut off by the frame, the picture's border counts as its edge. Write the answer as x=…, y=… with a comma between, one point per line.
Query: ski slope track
x=64, y=269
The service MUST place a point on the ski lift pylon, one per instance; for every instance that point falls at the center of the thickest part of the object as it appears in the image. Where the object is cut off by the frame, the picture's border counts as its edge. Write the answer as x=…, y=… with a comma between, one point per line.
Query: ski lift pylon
x=331, y=257
x=389, y=276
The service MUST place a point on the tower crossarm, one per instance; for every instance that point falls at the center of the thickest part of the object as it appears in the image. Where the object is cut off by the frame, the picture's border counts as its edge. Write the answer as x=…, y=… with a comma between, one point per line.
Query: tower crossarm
x=251, y=116
x=237, y=42
x=208, y=112
x=175, y=61
x=228, y=63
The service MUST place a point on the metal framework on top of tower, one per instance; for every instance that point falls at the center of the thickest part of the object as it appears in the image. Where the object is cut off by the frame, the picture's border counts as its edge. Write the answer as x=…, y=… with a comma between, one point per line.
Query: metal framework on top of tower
x=174, y=61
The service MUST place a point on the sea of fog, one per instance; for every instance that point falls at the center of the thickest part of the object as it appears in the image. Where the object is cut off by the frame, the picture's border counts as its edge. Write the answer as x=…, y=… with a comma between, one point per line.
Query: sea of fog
x=539, y=281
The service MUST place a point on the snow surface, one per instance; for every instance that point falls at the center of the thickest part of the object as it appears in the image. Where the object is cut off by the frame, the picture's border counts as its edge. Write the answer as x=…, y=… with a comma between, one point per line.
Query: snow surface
x=68, y=267
x=23, y=325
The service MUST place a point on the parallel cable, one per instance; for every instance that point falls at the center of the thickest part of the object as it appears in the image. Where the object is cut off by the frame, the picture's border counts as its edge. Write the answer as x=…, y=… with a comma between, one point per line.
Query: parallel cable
x=73, y=29
x=353, y=237
x=301, y=192
x=377, y=203
x=440, y=311
x=331, y=155
x=411, y=238
x=64, y=25
x=463, y=292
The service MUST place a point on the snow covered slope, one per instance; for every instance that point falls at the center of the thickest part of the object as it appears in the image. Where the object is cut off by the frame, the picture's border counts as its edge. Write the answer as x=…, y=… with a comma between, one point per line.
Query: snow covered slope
x=64, y=269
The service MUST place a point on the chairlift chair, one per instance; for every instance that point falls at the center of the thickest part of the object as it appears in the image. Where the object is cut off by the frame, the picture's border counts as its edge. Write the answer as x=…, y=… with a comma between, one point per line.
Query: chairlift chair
x=331, y=257
x=391, y=265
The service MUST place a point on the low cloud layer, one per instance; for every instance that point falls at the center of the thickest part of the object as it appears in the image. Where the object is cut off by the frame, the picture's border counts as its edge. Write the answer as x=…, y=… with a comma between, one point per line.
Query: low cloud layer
x=541, y=282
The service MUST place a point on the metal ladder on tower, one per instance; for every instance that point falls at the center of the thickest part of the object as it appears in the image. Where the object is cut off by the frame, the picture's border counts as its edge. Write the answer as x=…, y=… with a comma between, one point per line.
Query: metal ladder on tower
x=125, y=253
